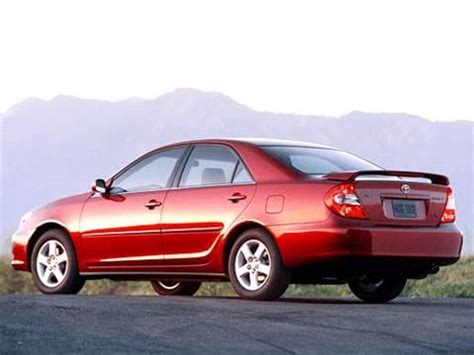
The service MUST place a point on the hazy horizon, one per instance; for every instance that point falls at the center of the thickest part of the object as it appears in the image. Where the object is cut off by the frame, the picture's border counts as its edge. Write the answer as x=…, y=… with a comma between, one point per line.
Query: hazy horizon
x=129, y=98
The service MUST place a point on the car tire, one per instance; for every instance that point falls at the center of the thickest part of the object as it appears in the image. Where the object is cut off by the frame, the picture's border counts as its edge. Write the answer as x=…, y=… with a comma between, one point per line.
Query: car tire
x=54, y=264
x=255, y=268
x=175, y=288
x=377, y=290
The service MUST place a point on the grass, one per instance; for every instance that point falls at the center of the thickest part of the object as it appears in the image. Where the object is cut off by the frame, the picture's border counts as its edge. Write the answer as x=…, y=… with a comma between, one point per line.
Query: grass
x=452, y=281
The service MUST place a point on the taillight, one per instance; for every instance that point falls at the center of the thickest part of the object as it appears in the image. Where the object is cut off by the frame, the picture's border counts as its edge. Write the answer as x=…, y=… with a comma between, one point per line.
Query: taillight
x=342, y=200
x=449, y=213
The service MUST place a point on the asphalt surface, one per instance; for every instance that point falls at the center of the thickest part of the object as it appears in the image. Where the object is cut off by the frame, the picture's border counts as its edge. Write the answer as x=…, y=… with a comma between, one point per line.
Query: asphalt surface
x=100, y=324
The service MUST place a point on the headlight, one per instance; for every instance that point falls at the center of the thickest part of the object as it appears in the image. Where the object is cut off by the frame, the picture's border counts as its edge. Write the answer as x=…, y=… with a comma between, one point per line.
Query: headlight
x=25, y=217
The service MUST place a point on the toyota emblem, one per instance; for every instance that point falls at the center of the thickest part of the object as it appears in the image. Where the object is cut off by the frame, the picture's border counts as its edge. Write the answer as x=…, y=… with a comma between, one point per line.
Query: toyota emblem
x=405, y=188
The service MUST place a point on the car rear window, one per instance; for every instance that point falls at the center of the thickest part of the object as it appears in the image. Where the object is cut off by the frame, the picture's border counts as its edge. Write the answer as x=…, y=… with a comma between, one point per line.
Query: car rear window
x=318, y=161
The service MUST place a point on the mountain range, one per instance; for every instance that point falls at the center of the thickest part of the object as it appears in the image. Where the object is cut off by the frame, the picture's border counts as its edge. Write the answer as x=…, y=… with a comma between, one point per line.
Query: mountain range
x=58, y=147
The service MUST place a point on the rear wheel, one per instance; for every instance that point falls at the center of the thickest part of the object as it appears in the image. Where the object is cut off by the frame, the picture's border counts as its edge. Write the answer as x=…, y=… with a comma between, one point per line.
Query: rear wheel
x=256, y=271
x=54, y=264
x=377, y=290
x=176, y=288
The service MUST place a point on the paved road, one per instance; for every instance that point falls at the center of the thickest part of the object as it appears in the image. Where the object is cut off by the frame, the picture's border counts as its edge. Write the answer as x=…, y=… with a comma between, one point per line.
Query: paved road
x=43, y=324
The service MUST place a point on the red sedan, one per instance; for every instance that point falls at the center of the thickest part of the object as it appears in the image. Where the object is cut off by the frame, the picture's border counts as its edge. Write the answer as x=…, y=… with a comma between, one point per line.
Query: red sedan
x=260, y=213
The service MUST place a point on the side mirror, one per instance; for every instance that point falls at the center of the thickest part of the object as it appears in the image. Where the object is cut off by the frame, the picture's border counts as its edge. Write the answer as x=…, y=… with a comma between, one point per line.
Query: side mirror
x=100, y=186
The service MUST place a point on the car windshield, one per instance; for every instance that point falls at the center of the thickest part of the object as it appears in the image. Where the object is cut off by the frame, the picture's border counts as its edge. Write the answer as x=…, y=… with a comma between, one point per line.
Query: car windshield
x=318, y=161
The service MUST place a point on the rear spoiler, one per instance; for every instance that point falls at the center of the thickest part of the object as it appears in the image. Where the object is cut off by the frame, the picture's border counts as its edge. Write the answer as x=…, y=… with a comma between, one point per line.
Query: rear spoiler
x=352, y=175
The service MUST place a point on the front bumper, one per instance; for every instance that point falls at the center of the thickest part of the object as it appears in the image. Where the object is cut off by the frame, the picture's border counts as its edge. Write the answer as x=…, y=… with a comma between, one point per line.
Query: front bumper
x=19, y=257
x=301, y=244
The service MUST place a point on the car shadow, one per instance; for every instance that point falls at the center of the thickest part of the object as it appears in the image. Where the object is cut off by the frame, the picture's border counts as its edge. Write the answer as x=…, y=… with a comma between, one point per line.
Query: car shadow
x=429, y=302
x=289, y=300
x=320, y=300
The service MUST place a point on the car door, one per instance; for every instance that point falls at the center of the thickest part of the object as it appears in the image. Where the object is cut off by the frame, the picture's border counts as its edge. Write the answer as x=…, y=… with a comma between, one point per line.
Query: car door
x=122, y=228
x=213, y=190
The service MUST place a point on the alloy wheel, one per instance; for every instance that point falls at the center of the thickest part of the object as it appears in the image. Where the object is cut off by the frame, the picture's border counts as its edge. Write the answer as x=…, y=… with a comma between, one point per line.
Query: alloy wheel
x=252, y=265
x=52, y=263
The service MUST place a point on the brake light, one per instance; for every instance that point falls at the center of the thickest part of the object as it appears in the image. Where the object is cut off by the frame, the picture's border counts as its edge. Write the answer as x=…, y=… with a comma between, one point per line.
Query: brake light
x=342, y=200
x=449, y=213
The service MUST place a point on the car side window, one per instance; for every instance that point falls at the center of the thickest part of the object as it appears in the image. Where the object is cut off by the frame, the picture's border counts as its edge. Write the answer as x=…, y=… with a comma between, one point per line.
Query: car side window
x=241, y=175
x=209, y=165
x=153, y=172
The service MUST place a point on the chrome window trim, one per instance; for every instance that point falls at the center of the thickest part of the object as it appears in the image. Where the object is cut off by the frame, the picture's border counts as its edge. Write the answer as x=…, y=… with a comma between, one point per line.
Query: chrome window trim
x=96, y=194
x=212, y=185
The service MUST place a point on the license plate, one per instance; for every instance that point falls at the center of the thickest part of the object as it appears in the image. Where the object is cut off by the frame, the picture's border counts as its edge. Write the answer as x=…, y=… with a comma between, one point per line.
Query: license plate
x=404, y=209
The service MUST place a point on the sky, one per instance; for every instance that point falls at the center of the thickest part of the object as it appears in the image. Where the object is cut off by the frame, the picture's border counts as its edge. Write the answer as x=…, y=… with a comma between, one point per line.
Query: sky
x=306, y=57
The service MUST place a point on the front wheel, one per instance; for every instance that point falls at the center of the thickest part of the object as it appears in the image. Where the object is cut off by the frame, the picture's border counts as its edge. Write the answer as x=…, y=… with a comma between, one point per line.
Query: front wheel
x=175, y=288
x=377, y=290
x=255, y=268
x=54, y=264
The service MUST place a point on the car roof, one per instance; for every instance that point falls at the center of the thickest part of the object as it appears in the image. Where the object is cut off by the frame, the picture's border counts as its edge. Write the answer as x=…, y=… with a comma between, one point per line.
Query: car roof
x=280, y=142
x=259, y=142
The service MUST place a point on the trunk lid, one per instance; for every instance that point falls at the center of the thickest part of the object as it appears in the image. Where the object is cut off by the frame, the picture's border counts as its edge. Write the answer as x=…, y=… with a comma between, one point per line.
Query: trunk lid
x=399, y=198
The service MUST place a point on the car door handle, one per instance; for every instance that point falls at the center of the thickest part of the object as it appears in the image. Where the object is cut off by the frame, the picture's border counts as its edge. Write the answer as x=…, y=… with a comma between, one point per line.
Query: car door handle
x=152, y=204
x=236, y=197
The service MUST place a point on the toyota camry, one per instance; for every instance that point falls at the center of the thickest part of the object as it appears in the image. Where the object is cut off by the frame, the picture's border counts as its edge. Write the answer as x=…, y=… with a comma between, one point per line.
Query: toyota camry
x=259, y=213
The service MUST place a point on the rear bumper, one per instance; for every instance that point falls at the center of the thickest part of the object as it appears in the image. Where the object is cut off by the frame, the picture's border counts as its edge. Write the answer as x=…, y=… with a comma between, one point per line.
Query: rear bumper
x=301, y=244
